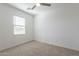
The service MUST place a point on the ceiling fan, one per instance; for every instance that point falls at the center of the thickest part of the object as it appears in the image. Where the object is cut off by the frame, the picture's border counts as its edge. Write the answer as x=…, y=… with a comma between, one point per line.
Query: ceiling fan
x=39, y=4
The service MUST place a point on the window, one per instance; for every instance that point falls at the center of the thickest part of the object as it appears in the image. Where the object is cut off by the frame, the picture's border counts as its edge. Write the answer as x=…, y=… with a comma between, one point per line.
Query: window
x=19, y=25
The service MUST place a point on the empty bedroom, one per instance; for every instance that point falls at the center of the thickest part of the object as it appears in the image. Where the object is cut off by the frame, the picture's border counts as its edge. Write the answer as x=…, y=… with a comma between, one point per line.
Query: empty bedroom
x=39, y=29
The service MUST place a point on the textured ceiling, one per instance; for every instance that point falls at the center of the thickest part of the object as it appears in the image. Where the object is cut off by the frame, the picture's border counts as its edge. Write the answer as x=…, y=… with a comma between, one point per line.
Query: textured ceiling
x=44, y=9
x=25, y=6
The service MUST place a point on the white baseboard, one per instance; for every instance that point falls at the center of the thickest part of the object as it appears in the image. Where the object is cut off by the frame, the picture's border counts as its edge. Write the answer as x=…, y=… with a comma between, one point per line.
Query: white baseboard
x=21, y=43
x=59, y=45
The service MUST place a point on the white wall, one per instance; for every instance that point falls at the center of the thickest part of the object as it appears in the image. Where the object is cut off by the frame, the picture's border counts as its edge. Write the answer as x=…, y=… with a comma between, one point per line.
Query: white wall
x=59, y=26
x=7, y=38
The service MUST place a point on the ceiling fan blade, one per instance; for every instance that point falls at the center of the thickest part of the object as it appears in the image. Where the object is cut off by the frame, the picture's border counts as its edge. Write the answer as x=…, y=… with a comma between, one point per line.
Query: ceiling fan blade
x=45, y=4
x=33, y=6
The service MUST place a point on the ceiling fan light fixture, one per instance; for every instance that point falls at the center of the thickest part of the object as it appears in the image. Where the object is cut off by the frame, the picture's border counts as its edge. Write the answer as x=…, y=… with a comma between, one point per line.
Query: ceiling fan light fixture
x=38, y=4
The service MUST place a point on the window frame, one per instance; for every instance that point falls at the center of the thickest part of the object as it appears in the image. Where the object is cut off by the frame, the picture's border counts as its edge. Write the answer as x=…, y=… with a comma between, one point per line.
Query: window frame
x=15, y=32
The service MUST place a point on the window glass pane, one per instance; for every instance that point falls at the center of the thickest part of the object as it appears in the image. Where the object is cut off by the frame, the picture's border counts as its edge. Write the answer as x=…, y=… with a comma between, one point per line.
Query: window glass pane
x=19, y=30
x=19, y=21
x=19, y=25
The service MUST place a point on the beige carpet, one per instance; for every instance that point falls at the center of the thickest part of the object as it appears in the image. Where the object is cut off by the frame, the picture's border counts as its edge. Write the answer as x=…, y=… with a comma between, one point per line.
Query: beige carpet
x=35, y=48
